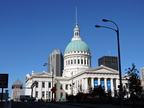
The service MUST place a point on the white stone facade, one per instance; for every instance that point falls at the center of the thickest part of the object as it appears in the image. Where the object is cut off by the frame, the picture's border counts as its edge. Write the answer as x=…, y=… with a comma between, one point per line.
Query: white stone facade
x=80, y=82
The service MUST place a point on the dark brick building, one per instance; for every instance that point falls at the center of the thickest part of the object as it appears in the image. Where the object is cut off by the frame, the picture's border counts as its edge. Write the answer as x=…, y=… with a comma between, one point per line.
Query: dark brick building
x=109, y=61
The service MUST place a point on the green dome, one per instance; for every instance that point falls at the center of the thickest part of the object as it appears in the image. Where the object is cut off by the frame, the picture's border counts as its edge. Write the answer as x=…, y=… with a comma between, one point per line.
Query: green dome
x=77, y=45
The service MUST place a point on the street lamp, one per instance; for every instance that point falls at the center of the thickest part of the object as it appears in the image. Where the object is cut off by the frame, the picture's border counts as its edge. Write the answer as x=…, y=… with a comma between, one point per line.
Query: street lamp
x=52, y=77
x=119, y=60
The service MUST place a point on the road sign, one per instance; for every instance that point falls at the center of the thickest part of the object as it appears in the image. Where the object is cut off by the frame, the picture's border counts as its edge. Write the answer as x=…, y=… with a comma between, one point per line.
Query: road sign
x=3, y=80
x=53, y=89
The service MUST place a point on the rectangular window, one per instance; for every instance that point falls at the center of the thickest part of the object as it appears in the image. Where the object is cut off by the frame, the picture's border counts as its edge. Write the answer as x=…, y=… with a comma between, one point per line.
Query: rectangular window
x=66, y=87
x=74, y=61
x=81, y=61
x=68, y=62
x=43, y=84
x=61, y=95
x=37, y=85
x=49, y=84
x=49, y=95
x=43, y=94
x=36, y=94
x=78, y=61
x=84, y=61
x=71, y=61
x=46, y=94
x=61, y=87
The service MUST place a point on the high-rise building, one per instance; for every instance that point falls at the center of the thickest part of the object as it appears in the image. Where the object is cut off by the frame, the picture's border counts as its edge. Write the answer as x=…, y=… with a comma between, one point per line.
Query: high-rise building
x=109, y=61
x=55, y=63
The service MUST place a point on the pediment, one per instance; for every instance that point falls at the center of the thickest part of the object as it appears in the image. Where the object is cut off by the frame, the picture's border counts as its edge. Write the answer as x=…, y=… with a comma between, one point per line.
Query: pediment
x=102, y=69
x=42, y=74
x=38, y=75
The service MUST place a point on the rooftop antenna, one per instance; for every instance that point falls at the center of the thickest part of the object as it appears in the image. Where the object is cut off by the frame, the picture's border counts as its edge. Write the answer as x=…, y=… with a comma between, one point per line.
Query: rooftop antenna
x=109, y=53
x=76, y=15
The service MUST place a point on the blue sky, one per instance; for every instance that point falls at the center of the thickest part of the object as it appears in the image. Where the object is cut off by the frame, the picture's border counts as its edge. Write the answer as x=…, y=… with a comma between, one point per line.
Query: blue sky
x=31, y=29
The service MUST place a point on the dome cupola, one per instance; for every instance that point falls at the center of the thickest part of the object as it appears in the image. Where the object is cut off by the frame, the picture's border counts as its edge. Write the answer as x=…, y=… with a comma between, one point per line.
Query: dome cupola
x=76, y=43
x=77, y=55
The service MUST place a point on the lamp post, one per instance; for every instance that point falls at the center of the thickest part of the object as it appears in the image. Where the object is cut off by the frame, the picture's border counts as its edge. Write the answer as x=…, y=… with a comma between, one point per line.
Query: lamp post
x=72, y=84
x=119, y=60
x=52, y=77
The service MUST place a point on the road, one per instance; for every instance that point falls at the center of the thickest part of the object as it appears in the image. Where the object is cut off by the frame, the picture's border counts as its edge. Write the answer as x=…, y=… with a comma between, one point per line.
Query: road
x=61, y=105
x=40, y=105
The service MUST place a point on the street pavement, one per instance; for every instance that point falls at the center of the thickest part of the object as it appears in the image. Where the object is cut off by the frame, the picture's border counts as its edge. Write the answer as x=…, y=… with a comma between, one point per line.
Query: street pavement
x=63, y=105
x=86, y=105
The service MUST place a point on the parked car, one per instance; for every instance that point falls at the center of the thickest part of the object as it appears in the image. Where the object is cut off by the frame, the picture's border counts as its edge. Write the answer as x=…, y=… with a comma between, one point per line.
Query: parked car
x=27, y=98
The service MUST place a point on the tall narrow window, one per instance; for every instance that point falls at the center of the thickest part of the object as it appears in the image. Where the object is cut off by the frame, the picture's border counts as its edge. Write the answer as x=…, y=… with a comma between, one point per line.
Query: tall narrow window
x=66, y=87
x=43, y=84
x=61, y=87
x=37, y=85
x=49, y=95
x=43, y=94
x=36, y=94
x=87, y=62
x=81, y=61
x=78, y=61
x=74, y=61
x=71, y=61
x=49, y=84
x=84, y=61
x=61, y=95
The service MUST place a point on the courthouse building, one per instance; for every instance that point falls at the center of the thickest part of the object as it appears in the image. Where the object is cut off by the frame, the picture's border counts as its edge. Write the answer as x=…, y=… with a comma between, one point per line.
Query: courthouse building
x=76, y=76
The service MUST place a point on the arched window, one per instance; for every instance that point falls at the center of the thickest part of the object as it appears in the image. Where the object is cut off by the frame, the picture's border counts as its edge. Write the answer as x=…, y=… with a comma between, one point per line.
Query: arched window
x=74, y=61
x=81, y=61
x=78, y=61
x=71, y=61
x=68, y=62
x=84, y=61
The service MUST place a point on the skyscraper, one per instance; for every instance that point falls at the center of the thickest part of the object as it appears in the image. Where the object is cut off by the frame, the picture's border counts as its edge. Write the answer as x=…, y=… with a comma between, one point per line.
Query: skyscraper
x=55, y=63
x=109, y=61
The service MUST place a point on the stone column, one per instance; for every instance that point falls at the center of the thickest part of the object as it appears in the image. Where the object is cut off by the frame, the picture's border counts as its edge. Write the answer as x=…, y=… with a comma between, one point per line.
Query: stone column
x=83, y=85
x=105, y=84
x=98, y=81
x=40, y=90
x=86, y=85
x=111, y=84
x=46, y=90
x=92, y=83
x=117, y=84
x=83, y=61
x=112, y=88
x=86, y=61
